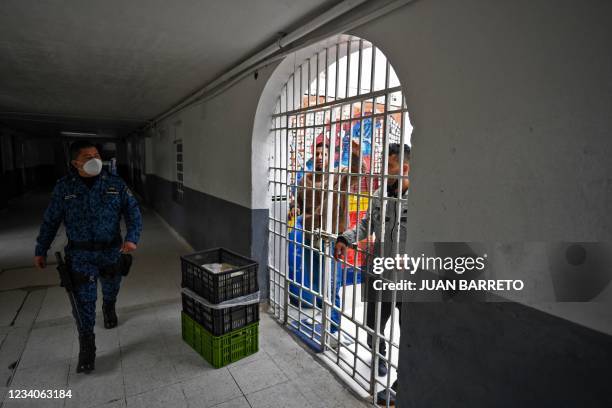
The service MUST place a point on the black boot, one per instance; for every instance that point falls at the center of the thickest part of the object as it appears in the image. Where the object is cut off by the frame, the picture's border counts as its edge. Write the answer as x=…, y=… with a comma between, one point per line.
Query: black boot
x=87, y=353
x=110, y=316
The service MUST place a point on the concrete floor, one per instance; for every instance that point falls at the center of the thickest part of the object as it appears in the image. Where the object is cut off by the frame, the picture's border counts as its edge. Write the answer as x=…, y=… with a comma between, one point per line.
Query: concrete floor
x=143, y=362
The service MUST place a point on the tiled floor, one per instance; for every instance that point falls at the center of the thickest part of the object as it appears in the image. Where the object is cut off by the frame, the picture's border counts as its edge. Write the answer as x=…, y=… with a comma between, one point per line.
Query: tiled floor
x=143, y=362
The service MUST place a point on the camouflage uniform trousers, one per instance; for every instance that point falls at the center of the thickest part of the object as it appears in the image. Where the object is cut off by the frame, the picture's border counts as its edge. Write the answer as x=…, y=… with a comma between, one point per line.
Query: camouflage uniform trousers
x=89, y=264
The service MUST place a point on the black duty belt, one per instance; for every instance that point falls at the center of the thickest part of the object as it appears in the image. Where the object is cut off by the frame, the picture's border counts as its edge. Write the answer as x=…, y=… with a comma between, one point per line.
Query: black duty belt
x=93, y=246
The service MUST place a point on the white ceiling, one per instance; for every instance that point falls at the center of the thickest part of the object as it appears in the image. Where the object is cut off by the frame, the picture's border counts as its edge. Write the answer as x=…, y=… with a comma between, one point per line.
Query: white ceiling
x=114, y=64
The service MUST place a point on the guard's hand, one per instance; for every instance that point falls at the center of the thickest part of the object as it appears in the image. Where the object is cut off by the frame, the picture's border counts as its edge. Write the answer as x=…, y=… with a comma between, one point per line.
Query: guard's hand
x=340, y=250
x=40, y=262
x=128, y=247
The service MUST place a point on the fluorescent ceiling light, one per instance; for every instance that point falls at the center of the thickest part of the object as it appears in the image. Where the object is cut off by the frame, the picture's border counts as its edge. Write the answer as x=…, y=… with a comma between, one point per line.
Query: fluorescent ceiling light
x=79, y=134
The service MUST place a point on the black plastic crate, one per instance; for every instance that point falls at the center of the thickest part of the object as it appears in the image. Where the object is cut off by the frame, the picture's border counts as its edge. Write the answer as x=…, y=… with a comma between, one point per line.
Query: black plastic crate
x=222, y=286
x=220, y=321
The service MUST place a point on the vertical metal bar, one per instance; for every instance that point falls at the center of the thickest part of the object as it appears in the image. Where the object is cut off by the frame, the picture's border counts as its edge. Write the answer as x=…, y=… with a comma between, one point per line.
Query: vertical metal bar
x=270, y=214
x=359, y=68
x=275, y=189
x=285, y=164
x=314, y=250
x=300, y=246
x=347, y=201
x=339, y=129
x=349, y=179
x=302, y=228
x=337, y=84
x=358, y=202
x=296, y=247
x=326, y=79
x=357, y=197
x=337, y=196
x=283, y=168
x=383, y=189
x=292, y=81
x=372, y=82
x=271, y=187
x=350, y=137
x=397, y=241
x=276, y=212
x=330, y=266
x=322, y=192
x=308, y=84
x=293, y=241
x=317, y=82
x=348, y=68
x=335, y=223
x=371, y=199
x=274, y=186
x=337, y=186
x=313, y=192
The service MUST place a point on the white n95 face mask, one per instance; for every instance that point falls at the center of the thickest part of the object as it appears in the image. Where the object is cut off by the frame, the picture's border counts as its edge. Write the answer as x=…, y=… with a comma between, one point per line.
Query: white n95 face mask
x=93, y=167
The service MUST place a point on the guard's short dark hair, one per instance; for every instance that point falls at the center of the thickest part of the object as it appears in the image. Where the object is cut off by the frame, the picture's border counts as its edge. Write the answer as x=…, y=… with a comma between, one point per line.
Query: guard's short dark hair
x=394, y=149
x=76, y=147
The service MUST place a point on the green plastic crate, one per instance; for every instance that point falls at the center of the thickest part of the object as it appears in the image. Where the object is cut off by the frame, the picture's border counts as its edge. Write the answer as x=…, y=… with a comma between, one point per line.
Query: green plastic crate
x=222, y=350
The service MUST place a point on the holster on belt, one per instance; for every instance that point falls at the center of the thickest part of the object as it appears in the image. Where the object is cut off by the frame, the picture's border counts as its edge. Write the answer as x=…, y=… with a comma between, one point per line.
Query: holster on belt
x=126, y=263
x=122, y=266
x=69, y=279
x=65, y=273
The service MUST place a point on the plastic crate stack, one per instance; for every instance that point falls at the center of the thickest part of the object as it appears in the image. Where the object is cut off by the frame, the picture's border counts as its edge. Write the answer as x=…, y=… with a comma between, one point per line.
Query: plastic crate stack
x=220, y=317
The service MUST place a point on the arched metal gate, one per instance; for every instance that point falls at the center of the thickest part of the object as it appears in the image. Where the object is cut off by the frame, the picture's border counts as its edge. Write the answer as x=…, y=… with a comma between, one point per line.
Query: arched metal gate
x=334, y=120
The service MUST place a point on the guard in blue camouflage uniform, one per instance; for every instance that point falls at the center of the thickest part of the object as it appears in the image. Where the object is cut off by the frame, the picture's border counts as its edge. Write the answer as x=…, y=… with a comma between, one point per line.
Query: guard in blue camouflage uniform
x=90, y=202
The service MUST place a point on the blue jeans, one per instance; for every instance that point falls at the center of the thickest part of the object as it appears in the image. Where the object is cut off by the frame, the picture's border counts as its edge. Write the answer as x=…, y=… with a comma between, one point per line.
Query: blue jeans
x=318, y=269
x=351, y=277
x=297, y=252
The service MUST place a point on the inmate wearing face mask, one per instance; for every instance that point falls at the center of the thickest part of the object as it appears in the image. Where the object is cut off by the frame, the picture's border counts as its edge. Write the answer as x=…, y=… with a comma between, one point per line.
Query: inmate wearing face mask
x=91, y=208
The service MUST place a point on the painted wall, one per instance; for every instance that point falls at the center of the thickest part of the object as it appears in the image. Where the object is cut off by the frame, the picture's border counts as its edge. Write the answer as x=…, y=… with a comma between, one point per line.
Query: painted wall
x=216, y=137
x=510, y=102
